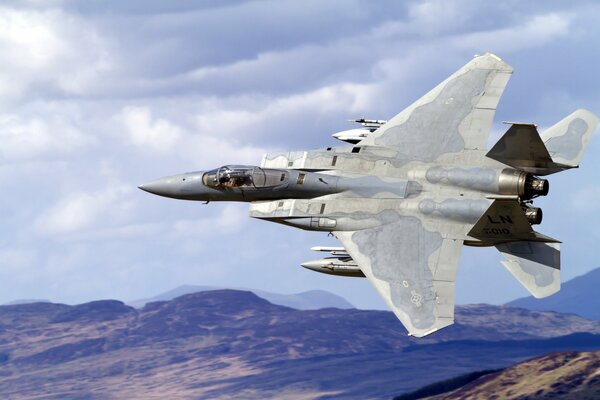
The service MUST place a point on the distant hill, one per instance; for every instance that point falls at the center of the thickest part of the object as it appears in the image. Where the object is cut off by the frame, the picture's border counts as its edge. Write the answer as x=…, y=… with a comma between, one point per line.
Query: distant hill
x=26, y=301
x=310, y=300
x=568, y=376
x=578, y=296
x=234, y=344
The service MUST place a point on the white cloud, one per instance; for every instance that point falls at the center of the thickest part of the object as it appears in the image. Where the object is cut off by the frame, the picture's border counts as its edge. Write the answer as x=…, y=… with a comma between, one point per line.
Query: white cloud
x=158, y=134
x=211, y=151
x=30, y=138
x=31, y=37
x=261, y=116
x=48, y=50
x=83, y=211
x=535, y=31
x=434, y=15
x=215, y=138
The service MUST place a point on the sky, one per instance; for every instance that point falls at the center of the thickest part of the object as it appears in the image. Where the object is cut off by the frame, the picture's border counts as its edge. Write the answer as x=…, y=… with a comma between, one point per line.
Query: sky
x=97, y=97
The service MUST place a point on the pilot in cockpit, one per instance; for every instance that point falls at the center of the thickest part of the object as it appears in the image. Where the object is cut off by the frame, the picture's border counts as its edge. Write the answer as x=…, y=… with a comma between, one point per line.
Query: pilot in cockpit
x=240, y=176
x=228, y=180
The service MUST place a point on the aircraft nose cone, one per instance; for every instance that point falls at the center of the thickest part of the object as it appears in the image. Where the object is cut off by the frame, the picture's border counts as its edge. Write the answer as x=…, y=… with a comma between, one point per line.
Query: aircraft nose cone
x=160, y=187
x=186, y=186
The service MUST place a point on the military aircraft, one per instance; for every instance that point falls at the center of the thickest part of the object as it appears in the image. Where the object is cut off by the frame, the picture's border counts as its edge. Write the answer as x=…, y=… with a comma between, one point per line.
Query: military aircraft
x=411, y=191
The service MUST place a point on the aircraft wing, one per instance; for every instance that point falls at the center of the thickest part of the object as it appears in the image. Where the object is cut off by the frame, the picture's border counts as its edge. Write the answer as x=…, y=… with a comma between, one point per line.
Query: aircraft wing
x=413, y=269
x=456, y=115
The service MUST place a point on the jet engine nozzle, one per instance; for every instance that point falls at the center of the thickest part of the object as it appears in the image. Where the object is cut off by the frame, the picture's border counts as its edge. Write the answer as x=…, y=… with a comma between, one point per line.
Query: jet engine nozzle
x=535, y=186
x=526, y=185
x=534, y=215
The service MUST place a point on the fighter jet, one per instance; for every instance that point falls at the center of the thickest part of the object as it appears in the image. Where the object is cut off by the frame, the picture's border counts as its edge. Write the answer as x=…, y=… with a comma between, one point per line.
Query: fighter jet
x=406, y=197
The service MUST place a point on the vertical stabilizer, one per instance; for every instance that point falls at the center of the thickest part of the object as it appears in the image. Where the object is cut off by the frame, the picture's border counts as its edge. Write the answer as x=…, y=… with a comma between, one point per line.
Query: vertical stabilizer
x=567, y=140
x=559, y=148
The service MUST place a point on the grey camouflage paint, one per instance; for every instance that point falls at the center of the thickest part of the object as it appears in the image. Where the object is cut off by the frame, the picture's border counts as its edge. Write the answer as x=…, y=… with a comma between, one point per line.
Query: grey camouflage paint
x=410, y=288
x=437, y=122
x=570, y=143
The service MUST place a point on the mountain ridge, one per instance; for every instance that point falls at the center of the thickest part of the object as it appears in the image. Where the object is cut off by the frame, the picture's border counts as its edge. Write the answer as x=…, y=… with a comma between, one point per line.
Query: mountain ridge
x=307, y=300
x=576, y=296
x=224, y=343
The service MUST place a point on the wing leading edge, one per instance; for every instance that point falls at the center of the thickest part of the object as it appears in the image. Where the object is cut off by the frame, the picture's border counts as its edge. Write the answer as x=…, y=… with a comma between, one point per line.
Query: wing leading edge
x=413, y=269
x=456, y=115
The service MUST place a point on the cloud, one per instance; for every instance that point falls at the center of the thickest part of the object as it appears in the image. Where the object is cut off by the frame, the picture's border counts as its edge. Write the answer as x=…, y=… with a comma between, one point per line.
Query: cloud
x=157, y=134
x=32, y=138
x=260, y=118
x=219, y=134
x=535, y=31
x=83, y=211
x=48, y=51
x=98, y=97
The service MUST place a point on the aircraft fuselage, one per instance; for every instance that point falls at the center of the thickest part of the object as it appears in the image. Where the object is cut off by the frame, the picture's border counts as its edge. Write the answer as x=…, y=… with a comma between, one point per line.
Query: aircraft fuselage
x=331, y=197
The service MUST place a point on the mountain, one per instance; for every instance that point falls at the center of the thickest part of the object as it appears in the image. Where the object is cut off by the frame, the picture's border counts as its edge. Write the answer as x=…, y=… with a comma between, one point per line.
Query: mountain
x=309, y=300
x=26, y=301
x=234, y=344
x=578, y=296
x=567, y=375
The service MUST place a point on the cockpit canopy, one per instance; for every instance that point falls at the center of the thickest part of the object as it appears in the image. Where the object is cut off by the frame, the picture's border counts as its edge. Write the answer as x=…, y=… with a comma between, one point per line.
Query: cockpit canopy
x=244, y=176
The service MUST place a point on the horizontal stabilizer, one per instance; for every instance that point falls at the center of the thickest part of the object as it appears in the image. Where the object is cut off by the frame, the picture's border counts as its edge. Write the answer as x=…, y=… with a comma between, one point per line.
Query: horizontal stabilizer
x=522, y=147
x=559, y=148
x=505, y=221
x=535, y=265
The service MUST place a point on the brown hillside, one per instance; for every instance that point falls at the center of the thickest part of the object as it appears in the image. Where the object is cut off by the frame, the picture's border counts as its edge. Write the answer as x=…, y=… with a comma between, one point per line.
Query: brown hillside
x=568, y=375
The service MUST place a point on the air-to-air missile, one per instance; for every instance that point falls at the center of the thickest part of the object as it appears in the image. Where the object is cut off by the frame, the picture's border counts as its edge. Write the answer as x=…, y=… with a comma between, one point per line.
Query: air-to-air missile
x=356, y=135
x=339, y=263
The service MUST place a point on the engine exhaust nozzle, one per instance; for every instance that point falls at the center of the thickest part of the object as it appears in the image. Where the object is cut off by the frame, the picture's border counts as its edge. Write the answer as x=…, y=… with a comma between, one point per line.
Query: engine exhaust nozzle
x=534, y=215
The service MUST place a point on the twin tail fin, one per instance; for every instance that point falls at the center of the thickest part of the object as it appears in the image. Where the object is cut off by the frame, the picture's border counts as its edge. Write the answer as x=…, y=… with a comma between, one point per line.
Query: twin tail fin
x=559, y=148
